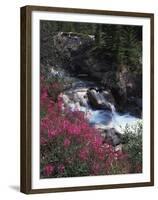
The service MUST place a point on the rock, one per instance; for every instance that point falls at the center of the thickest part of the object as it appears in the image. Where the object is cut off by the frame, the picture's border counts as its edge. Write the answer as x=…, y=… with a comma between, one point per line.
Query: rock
x=134, y=106
x=113, y=137
x=108, y=96
x=139, y=102
x=69, y=48
x=97, y=100
x=119, y=147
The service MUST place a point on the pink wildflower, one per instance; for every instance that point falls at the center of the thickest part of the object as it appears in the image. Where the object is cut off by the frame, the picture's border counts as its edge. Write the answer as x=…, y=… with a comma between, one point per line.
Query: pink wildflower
x=66, y=142
x=83, y=154
x=95, y=168
x=48, y=169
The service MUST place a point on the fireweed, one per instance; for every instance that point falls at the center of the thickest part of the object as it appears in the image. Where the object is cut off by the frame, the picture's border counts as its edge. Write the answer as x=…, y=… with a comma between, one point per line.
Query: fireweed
x=69, y=145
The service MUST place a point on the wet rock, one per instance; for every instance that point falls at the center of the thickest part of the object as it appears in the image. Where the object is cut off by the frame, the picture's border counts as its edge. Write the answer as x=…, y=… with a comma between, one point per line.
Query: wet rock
x=134, y=106
x=113, y=137
x=97, y=100
x=108, y=96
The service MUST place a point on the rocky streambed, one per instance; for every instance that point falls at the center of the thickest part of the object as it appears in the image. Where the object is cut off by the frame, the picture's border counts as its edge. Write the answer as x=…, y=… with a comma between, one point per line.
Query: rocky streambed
x=98, y=106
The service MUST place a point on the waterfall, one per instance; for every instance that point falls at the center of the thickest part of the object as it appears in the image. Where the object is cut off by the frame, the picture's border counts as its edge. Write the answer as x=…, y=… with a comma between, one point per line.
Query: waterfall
x=113, y=109
x=104, y=117
x=76, y=99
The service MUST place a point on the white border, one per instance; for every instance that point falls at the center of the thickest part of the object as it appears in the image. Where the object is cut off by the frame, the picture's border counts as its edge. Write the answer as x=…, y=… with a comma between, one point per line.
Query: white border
x=38, y=183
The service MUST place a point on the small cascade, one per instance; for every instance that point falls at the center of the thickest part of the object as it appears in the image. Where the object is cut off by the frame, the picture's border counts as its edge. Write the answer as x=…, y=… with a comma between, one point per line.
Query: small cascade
x=76, y=99
x=97, y=105
x=113, y=109
x=120, y=121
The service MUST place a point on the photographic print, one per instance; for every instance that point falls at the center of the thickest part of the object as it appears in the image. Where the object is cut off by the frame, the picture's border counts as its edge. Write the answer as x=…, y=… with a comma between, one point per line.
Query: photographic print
x=86, y=99
x=91, y=99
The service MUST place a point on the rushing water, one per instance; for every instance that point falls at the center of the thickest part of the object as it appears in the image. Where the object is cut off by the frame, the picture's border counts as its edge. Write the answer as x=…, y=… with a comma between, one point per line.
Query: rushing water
x=76, y=99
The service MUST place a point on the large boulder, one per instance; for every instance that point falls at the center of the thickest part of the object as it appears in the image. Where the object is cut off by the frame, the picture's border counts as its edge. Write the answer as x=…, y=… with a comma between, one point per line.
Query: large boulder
x=97, y=100
x=69, y=48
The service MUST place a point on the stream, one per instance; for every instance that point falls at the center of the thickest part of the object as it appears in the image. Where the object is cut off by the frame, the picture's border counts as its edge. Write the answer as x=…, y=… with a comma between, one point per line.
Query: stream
x=77, y=98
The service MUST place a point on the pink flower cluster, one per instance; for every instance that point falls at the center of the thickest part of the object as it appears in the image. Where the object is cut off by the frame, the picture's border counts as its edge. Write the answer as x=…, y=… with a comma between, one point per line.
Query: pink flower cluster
x=48, y=169
x=68, y=141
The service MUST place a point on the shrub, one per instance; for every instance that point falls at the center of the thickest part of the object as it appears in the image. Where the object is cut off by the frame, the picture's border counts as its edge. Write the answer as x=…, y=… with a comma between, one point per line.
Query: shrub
x=133, y=146
x=70, y=146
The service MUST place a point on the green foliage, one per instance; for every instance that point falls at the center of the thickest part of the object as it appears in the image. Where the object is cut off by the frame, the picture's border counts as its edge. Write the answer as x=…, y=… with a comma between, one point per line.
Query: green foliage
x=130, y=48
x=56, y=153
x=133, y=145
x=121, y=43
